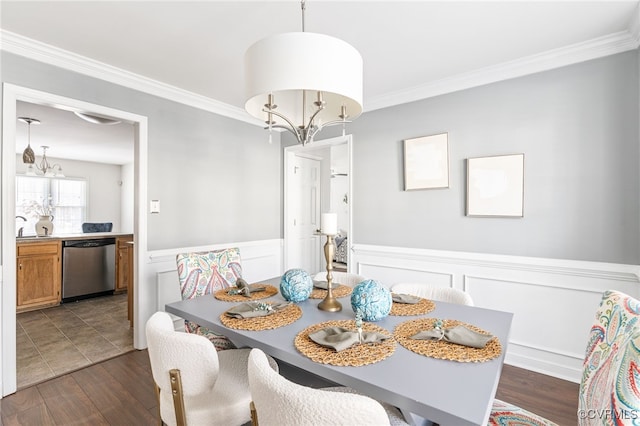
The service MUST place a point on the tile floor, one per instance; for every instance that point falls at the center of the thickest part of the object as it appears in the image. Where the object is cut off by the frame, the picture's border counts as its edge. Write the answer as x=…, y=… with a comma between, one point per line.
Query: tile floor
x=58, y=340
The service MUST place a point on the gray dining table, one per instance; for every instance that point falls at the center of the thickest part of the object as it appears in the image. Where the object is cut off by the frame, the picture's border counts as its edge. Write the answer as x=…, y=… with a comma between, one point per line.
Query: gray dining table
x=426, y=389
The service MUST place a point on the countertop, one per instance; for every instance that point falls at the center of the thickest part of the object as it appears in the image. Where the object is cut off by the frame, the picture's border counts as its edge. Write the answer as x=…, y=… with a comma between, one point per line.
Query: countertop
x=66, y=237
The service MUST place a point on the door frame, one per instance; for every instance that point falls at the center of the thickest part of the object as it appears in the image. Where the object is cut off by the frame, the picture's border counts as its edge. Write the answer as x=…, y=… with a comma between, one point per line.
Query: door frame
x=11, y=95
x=289, y=153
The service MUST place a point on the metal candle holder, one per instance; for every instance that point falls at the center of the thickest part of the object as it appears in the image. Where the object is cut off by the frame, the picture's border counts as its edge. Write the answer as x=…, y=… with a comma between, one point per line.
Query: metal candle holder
x=329, y=303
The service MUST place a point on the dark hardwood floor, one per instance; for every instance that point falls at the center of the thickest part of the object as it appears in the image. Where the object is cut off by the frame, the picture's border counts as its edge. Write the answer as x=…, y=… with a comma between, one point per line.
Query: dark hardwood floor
x=120, y=391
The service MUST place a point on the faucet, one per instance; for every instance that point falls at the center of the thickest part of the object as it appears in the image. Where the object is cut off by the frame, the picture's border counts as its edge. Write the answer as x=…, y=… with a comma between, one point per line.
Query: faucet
x=22, y=227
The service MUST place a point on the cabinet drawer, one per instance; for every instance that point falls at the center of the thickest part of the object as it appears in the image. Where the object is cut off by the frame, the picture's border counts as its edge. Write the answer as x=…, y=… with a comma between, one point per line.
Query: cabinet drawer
x=35, y=249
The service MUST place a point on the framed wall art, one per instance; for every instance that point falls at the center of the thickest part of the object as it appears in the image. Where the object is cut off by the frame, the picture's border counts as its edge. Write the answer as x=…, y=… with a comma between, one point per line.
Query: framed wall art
x=426, y=162
x=495, y=186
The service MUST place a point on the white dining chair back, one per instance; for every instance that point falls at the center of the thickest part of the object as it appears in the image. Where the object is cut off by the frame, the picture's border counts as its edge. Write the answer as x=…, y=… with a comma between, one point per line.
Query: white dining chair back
x=443, y=294
x=344, y=278
x=196, y=384
x=280, y=402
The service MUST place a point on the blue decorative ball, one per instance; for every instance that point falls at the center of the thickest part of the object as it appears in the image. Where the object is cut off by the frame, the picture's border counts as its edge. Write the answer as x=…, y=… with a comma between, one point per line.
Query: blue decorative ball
x=372, y=299
x=296, y=285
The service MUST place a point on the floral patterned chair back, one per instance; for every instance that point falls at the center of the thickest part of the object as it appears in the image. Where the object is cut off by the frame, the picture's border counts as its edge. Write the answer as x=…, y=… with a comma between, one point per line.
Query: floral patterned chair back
x=611, y=367
x=202, y=273
x=609, y=394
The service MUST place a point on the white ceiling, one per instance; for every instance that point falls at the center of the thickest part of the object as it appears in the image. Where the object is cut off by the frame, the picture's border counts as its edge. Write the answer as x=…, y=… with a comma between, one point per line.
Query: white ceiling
x=408, y=47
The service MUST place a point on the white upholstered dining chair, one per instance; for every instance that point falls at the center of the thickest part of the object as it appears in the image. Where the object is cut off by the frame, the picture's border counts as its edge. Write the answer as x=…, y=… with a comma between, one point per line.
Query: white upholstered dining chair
x=344, y=278
x=196, y=384
x=443, y=294
x=280, y=402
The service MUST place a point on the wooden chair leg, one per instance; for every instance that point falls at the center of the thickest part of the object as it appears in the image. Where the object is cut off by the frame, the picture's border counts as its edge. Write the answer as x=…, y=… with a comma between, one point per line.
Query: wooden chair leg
x=254, y=414
x=178, y=399
x=158, y=401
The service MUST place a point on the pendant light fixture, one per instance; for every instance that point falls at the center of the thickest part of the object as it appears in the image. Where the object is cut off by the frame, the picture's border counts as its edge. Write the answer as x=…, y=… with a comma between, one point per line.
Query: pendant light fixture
x=302, y=82
x=28, y=156
x=43, y=168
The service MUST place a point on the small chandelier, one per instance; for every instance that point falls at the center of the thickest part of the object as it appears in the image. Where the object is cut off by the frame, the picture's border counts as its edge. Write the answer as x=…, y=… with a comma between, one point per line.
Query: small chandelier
x=43, y=168
x=315, y=79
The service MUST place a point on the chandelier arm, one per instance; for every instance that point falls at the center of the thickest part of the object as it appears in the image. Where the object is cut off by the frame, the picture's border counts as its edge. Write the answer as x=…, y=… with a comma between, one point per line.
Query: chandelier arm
x=335, y=123
x=289, y=129
x=292, y=128
x=312, y=134
x=310, y=124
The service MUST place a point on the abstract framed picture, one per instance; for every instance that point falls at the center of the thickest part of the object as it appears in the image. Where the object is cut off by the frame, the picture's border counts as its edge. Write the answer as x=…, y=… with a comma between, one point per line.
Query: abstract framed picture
x=495, y=186
x=426, y=162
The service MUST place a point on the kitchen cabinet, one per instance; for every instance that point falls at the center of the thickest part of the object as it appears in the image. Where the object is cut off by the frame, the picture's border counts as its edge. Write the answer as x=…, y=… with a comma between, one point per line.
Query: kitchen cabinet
x=124, y=271
x=38, y=275
x=124, y=263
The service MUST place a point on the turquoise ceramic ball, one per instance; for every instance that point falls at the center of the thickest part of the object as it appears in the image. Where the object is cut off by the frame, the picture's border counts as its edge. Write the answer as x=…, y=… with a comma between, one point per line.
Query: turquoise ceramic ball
x=296, y=285
x=372, y=299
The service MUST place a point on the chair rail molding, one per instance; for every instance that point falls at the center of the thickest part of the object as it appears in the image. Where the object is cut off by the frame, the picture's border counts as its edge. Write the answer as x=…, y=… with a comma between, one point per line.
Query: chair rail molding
x=553, y=300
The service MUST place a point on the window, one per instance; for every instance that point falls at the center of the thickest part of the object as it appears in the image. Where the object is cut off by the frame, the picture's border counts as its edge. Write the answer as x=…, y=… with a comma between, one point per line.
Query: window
x=65, y=199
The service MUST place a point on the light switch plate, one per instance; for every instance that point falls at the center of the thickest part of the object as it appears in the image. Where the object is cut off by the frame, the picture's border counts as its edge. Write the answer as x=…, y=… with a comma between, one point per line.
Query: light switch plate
x=154, y=206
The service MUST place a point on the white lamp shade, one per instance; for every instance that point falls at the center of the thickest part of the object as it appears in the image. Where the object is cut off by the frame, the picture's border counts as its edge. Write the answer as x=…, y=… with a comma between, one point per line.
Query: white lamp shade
x=286, y=64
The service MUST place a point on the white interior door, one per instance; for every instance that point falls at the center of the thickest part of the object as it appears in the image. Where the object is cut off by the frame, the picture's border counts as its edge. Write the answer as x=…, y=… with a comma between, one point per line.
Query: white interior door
x=295, y=195
x=306, y=217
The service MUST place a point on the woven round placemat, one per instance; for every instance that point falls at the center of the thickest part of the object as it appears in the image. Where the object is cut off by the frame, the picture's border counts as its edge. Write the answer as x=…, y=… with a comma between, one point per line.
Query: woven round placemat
x=281, y=318
x=355, y=356
x=223, y=294
x=337, y=290
x=441, y=349
x=424, y=306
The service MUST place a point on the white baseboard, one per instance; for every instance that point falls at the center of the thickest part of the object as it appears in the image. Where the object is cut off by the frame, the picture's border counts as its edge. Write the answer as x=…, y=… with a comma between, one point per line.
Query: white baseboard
x=553, y=300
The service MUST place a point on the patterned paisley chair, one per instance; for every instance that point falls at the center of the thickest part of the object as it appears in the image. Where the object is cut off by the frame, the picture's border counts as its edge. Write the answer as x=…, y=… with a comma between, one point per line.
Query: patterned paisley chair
x=202, y=273
x=609, y=390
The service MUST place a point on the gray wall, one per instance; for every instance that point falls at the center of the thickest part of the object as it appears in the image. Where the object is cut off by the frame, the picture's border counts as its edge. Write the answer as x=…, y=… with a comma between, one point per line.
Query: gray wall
x=578, y=129
x=218, y=180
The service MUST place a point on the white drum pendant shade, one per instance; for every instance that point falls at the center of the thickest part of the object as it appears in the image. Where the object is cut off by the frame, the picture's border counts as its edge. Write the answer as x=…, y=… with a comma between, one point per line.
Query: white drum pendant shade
x=287, y=64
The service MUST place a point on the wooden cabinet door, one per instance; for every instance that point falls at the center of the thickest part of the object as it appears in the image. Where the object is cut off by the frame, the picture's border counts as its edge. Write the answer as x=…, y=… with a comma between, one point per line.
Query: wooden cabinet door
x=122, y=267
x=124, y=264
x=124, y=271
x=38, y=277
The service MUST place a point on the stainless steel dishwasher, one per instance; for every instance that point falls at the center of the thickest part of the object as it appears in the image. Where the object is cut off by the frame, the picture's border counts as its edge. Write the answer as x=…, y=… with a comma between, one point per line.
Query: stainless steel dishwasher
x=88, y=268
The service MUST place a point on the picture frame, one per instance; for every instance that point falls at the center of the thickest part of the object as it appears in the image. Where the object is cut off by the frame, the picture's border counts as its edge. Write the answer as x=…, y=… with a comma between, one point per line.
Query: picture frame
x=426, y=162
x=495, y=186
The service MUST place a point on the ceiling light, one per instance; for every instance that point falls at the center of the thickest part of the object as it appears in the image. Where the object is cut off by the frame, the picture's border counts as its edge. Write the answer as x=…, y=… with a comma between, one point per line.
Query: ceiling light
x=303, y=82
x=95, y=119
x=44, y=168
x=28, y=156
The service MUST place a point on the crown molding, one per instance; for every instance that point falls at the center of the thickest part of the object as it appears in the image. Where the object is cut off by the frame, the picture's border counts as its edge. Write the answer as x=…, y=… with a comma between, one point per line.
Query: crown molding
x=634, y=26
x=33, y=49
x=556, y=58
x=580, y=52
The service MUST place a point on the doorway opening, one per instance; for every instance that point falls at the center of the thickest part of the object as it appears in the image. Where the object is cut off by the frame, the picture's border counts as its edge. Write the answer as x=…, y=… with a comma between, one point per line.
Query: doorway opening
x=12, y=95
x=334, y=156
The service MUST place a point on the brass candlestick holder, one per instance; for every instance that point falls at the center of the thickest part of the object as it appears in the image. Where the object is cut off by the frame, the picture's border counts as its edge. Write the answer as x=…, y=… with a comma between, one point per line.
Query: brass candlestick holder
x=329, y=303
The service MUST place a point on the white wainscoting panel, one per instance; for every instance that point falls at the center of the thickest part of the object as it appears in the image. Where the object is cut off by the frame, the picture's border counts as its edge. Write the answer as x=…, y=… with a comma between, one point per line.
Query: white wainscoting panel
x=553, y=301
